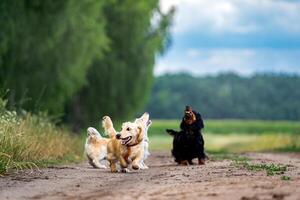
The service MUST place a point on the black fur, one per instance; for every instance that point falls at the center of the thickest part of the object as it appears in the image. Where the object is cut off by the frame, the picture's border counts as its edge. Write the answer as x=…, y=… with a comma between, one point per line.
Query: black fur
x=188, y=143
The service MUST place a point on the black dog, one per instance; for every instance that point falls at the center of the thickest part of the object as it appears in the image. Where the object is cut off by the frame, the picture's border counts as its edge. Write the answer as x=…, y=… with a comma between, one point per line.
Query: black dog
x=188, y=143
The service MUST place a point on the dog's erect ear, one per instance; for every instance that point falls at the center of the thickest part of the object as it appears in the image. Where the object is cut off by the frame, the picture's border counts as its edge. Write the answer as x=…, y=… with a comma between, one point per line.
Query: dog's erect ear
x=90, y=131
x=188, y=108
x=140, y=134
x=149, y=122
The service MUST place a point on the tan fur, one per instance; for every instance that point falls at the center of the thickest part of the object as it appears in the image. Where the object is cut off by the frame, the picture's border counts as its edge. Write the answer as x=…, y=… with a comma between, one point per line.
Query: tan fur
x=108, y=126
x=190, y=121
x=123, y=151
x=95, y=148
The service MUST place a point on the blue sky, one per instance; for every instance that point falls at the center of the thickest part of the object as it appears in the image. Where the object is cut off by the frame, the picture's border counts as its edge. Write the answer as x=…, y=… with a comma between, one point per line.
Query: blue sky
x=242, y=36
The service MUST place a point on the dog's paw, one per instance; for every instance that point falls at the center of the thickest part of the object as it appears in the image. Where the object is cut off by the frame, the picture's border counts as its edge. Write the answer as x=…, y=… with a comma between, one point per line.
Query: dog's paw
x=144, y=167
x=102, y=167
x=135, y=167
x=124, y=170
x=184, y=162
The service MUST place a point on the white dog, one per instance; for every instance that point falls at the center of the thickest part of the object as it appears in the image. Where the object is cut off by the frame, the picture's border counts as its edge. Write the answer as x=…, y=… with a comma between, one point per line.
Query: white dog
x=95, y=148
x=146, y=123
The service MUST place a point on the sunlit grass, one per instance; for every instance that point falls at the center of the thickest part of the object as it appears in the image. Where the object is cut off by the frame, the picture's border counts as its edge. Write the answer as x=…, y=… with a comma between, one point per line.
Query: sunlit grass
x=285, y=138
x=32, y=141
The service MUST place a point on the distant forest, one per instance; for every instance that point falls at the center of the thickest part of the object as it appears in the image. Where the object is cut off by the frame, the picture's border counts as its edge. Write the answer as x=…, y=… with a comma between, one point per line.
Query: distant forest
x=261, y=96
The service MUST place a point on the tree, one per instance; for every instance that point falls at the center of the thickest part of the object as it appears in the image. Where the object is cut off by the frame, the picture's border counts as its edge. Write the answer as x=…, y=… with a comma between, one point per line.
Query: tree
x=46, y=48
x=119, y=83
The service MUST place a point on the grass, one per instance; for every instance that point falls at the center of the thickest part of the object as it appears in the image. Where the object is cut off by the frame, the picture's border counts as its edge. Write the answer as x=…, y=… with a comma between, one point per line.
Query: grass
x=234, y=127
x=32, y=141
x=285, y=178
x=271, y=169
x=235, y=136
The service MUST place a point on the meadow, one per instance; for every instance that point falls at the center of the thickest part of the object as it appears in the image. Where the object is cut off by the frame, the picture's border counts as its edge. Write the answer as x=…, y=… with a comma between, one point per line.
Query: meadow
x=235, y=136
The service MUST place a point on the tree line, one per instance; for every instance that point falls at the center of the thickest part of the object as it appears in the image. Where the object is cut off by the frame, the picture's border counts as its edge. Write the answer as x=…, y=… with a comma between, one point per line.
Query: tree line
x=260, y=96
x=80, y=59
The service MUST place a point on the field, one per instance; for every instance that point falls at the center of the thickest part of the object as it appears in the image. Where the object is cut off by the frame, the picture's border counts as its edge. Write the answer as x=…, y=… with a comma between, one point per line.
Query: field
x=235, y=136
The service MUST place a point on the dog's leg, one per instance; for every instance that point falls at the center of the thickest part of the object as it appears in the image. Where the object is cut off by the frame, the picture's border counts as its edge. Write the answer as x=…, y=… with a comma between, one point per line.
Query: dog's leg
x=103, y=157
x=201, y=161
x=184, y=162
x=137, y=161
x=113, y=167
x=91, y=162
x=124, y=164
x=190, y=162
x=97, y=164
x=143, y=165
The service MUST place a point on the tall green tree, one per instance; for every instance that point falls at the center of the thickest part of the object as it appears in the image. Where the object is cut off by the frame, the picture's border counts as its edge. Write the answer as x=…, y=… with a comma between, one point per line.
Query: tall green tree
x=119, y=83
x=46, y=48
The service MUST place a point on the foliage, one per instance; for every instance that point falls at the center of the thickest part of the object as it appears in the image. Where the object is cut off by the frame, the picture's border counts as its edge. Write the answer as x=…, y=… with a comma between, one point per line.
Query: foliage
x=86, y=58
x=261, y=96
x=120, y=82
x=45, y=49
x=29, y=141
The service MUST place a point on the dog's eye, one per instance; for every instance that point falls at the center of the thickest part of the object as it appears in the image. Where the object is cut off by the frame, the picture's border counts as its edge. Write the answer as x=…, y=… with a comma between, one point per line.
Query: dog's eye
x=128, y=129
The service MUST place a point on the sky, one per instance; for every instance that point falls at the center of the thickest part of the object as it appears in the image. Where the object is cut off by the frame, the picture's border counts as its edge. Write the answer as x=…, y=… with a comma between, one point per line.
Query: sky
x=241, y=36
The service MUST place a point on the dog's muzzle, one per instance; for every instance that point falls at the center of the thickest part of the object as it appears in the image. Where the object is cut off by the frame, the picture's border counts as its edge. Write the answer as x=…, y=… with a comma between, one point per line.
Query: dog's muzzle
x=126, y=140
x=118, y=136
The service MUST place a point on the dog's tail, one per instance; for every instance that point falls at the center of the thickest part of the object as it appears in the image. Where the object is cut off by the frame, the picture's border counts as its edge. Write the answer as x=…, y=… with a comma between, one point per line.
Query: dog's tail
x=108, y=126
x=171, y=132
x=93, y=131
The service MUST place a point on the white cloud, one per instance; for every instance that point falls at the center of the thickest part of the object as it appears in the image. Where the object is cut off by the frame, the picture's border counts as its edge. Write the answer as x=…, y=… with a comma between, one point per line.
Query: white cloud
x=234, y=16
x=241, y=61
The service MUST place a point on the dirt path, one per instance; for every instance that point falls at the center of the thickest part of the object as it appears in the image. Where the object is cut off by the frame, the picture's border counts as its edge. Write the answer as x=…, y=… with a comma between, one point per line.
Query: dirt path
x=164, y=180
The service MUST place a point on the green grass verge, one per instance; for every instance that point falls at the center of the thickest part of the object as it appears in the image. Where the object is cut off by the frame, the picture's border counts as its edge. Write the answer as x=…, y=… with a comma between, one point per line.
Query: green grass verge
x=32, y=141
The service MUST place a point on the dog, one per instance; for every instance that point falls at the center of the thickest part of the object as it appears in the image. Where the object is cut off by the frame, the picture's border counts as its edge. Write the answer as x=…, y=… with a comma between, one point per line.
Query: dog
x=95, y=148
x=184, y=147
x=144, y=121
x=126, y=146
x=188, y=143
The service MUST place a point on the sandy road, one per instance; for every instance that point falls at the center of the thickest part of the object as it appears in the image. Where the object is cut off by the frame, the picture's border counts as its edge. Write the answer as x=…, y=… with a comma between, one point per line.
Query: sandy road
x=164, y=180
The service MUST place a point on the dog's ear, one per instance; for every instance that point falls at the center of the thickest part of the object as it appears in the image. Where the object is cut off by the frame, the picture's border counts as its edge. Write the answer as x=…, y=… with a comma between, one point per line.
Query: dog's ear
x=149, y=123
x=140, y=134
x=90, y=131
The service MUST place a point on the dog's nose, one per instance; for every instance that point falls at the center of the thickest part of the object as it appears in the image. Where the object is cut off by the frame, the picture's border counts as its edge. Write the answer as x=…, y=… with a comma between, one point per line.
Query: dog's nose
x=118, y=136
